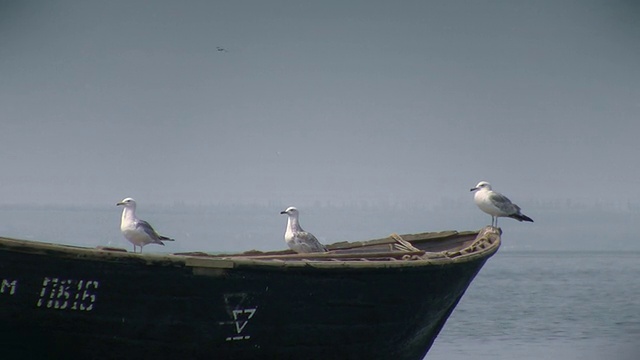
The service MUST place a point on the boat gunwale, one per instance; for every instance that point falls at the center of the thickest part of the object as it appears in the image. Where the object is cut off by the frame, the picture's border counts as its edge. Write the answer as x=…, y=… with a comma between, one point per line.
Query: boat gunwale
x=326, y=261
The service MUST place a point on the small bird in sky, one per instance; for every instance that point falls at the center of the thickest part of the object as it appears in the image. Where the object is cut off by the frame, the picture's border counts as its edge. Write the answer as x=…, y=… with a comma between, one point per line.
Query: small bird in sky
x=496, y=204
x=299, y=240
x=221, y=49
x=138, y=232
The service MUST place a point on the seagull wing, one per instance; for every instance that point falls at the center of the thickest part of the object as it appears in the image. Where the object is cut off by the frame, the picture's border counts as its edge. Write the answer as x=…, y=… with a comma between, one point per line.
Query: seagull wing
x=309, y=243
x=148, y=229
x=503, y=203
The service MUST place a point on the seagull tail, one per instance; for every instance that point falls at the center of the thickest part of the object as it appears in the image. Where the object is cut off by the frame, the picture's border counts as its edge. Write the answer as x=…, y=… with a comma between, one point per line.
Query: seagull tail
x=164, y=238
x=521, y=217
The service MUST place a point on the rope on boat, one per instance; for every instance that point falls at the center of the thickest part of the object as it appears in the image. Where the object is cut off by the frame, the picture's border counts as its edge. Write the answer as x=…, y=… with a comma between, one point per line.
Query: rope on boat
x=402, y=244
x=405, y=246
x=485, y=238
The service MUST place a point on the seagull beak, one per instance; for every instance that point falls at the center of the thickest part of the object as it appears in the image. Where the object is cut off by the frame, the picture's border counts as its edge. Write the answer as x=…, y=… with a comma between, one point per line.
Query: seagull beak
x=474, y=189
x=283, y=212
x=120, y=203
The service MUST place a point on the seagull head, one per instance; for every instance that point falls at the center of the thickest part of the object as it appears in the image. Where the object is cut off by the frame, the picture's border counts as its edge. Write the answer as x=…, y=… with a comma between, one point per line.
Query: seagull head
x=482, y=185
x=290, y=211
x=127, y=202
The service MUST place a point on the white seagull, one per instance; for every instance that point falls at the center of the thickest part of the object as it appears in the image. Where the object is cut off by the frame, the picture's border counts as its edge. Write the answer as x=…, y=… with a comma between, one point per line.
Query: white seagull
x=138, y=232
x=496, y=204
x=299, y=240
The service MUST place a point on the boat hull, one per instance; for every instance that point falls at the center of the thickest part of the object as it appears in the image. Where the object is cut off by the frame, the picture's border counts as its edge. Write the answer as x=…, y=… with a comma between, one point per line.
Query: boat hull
x=63, y=305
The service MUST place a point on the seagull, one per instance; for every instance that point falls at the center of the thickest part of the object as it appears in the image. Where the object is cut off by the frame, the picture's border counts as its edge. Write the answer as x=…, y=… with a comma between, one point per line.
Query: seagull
x=299, y=240
x=496, y=204
x=138, y=232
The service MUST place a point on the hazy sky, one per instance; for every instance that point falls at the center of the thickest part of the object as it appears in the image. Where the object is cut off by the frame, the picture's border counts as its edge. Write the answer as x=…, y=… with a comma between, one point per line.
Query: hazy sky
x=324, y=101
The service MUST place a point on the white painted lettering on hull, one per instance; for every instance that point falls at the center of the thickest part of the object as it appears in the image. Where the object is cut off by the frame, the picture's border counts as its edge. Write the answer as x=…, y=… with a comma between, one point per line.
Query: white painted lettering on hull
x=236, y=306
x=68, y=294
x=241, y=319
x=8, y=286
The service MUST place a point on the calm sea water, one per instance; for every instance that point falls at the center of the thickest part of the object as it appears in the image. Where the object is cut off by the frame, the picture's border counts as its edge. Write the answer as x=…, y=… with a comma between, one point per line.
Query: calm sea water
x=543, y=305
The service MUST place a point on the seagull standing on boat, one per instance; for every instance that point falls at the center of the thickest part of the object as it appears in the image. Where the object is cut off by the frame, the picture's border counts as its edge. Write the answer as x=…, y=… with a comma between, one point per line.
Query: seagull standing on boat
x=138, y=232
x=299, y=240
x=496, y=204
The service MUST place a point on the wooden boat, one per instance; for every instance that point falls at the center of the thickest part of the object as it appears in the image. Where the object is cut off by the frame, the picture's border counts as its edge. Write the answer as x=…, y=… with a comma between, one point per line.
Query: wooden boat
x=380, y=299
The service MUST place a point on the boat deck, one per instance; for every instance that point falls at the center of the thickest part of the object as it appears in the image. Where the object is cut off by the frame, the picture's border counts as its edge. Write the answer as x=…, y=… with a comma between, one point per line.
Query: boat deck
x=445, y=245
x=394, y=250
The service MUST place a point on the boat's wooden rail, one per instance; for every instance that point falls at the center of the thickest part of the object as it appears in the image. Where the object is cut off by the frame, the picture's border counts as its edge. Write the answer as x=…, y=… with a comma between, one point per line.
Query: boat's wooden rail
x=392, y=251
x=428, y=246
